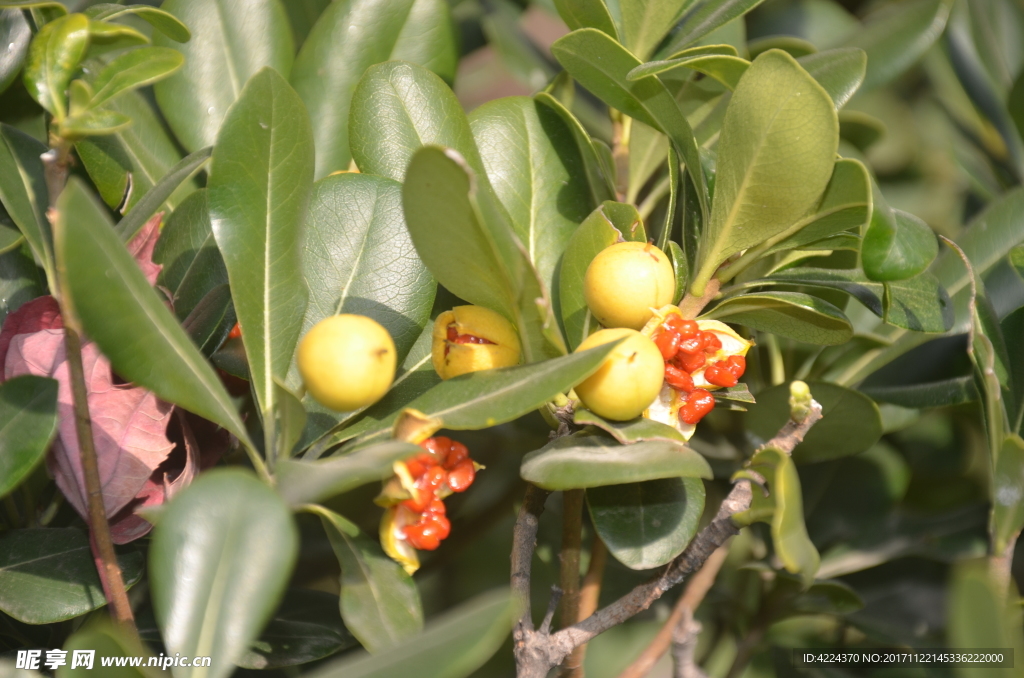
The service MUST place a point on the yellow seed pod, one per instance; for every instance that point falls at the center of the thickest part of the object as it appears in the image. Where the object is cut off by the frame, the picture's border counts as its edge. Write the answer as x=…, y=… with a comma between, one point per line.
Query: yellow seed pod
x=629, y=379
x=470, y=339
x=392, y=537
x=626, y=282
x=347, y=362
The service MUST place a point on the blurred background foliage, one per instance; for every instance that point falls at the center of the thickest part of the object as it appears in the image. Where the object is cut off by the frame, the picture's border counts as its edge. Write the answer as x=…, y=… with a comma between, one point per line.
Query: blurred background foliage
x=939, y=121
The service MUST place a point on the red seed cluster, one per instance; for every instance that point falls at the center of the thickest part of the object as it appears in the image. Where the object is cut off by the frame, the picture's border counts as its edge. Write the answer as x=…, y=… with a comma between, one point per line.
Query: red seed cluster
x=444, y=466
x=456, y=338
x=686, y=350
x=235, y=332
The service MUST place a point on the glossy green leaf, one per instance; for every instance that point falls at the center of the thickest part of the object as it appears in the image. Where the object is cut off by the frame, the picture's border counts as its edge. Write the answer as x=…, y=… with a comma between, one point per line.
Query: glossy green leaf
x=162, y=21
x=792, y=45
x=725, y=68
x=631, y=431
x=487, y=398
x=703, y=18
x=210, y=322
x=16, y=34
x=645, y=22
x=220, y=558
x=826, y=597
x=398, y=108
x=981, y=615
x=601, y=65
x=143, y=340
x=788, y=314
x=305, y=627
x=106, y=640
x=261, y=178
x=783, y=510
x=1008, y=493
x=919, y=304
x=290, y=419
x=109, y=37
x=860, y=129
x=192, y=264
x=1015, y=104
x=463, y=237
x=379, y=601
x=517, y=52
x=20, y=280
x=587, y=14
x=774, y=160
x=23, y=190
x=533, y=163
x=48, y=575
x=587, y=460
x=897, y=244
x=307, y=482
x=897, y=35
x=231, y=41
x=28, y=422
x=302, y=15
x=358, y=258
x=52, y=59
x=133, y=69
x=452, y=646
x=601, y=188
x=35, y=4
x=340, y=49
x=839, y=71
x=850, y=423
x=681, y=269
x=956, y=391
x=92, y=123
x=645, y=525
x=126, y=166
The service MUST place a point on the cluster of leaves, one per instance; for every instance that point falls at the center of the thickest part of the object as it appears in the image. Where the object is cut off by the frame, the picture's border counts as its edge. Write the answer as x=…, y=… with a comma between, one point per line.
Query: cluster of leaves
x=741, y=159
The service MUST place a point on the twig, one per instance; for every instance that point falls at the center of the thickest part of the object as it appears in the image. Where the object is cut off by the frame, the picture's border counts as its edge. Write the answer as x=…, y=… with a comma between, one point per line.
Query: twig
x=691, y=306
x=549, y=616
x=536, y=653
x=684, y=645
x=589, y=598
x=696, y=588
x=572, y=529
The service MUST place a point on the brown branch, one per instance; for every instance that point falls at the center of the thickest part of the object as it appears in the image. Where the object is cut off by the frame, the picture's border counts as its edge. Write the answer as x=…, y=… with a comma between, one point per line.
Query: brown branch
x=536, y=653
x=572, y=534
x=684, y=645
x=589, y=598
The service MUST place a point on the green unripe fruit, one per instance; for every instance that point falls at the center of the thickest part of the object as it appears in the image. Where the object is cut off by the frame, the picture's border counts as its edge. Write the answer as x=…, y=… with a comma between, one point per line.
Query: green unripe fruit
x=626, y=282
x=628, y=380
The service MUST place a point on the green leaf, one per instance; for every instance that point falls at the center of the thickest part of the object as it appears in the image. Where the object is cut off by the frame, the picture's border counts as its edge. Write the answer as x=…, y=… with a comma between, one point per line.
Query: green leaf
x=23, y=191
x=35, y=4
x=703, y=18
x=28, y=422
x=105, y=38
x=162, y=21
x=788, y=314
x=452, y=646
x=981, y=614
x=533, y=163
x=826, y=597
x=48, y=575
x=19, y=281
x=839, y=71
x=53, y=58
x=474, y=253
x=210, y=322
x=586, y=460
x=126, y=165
x=260, y=182
x=237, y=542
x=860, y=129
x=92, y=123
x=358, y=258
x=16, y=34
x=645, y=22
x=308, y=482
x=340, y=49
x=192, y=264
x=379, y=601
x=725, y=68
x=919, y=304
x=601, y=188
x=398, y=108
x=645, y=525
x=106, y=640
x=850, y=423
x=231, y=41
x=143, y=340
x=601, y=65
x=774, y=159
x=681, y=269
x=134, y=69
x=488, y=398
x=631, y=431
x=290, y=419
x=783, y=510
x=956, y=391
x=897, y=35
x=587, y=14
x=1008, y=493
x=897, y=244
x=305, y=627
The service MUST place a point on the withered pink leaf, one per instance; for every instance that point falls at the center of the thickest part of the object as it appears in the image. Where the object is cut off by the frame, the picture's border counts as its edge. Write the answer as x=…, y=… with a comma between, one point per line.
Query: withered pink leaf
x=129, y=422
x=141, y=247
x=42, y=313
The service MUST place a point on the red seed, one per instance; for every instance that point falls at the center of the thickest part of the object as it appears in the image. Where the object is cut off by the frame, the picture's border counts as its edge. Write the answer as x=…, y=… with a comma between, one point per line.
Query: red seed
x=720, y=375
x=711, y=342
x=667, y=342
x=457, y=454
x=442, y=525
x=691, y=362
x=697, y=404
x=423, y=536
x=235, y=332
x=677, y=379
x=456, y=338
x=737, y=365
x=462, y=476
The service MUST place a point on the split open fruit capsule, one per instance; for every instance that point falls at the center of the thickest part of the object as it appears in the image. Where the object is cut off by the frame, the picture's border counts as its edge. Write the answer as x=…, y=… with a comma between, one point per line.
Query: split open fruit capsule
x=626, y=281
x=629, y=379
x=470, y=339
x=347, y=362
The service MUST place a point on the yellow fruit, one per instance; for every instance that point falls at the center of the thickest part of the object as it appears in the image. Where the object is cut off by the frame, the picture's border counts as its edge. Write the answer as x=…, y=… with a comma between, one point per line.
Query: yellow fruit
x=629, y=379
x=347, y=362
x=483, y=340
x=626, y=281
